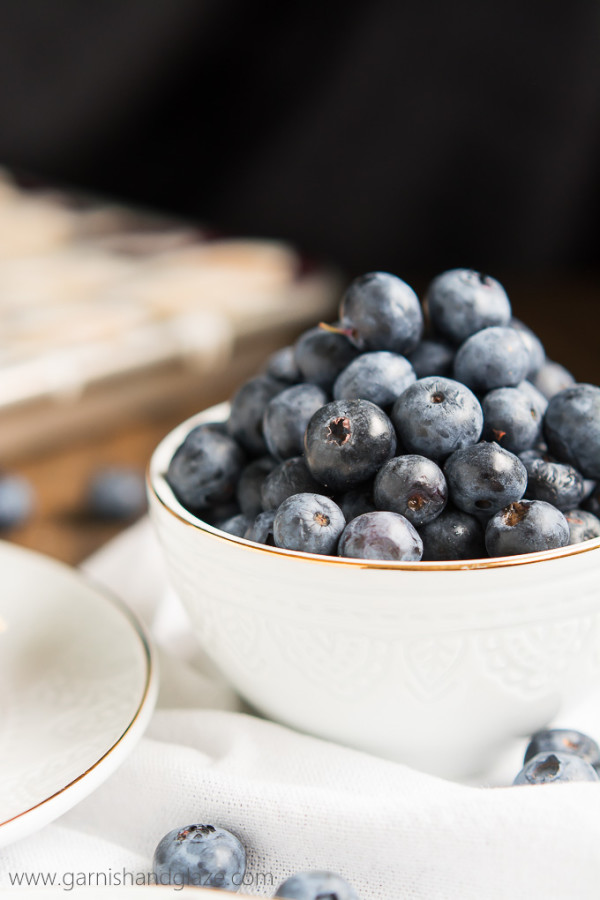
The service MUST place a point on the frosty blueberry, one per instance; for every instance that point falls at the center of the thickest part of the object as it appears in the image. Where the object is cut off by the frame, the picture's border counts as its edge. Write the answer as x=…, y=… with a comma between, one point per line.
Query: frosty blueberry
x=436, y=416
x=379, y=376
x=484, y=478
x=321, y=354
x=553, y=768
x=205, y=469
x=316, y=886
x=381, y=312
x=248, y=405
x=289, y=477
x=463, y=301
x=286, y=417
x=492, y=358
x=572, y=428
x=308, y=522
x=202, y=856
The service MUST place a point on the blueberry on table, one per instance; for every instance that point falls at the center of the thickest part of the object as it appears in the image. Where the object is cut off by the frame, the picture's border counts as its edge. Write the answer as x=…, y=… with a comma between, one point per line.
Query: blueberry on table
x=432, y=357
x=379, y=376
x=286, y=417
x=261, y=530
x=381, y=535
x=248, y=405
x=511, y=418
x=205, y=469
x=453, y=535
x=16, y=501
x=116, y=493
x=249, y=486
x=462, y=301
x=552, y=378
x=289, y=477
x=572, y=428
x=492, y=358
x=583, y=525
x=527, y=526
x=311, y=523
x=413, y=486
x=321, y=354
x=553, y=768
x=381, y=312
x=484, y=478
x=201, y=856
x=563, y=740
x=316, y=886
x=436, y=416
x=346, y=442
x=556, y=483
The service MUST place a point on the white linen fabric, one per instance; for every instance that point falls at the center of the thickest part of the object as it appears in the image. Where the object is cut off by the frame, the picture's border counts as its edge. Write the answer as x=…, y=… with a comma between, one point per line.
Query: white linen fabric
x=301, y=803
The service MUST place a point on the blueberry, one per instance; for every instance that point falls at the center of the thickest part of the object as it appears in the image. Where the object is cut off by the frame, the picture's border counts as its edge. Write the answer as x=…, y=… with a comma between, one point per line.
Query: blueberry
x=200, y=855
x=321, y=354
x=432, y=357
x=552, y=768
x=537, y=399
x=492, y=358
x=572, y=428
x=463, y=301
x=289, y=477
x=205, y=469
x=356, y=501
x=308, y=522
x=346, y=442
x=537, y=354
x=563, y=740
x=556, y=483
x=282, y=366
x=526, y=526
x=381, y=312
x=379, y=376
x=511, y=418
x=287, y=416
x=116, y=493
x=413, y=486
x=248, y=405
x=249, y=486
x=552, y=378
x=316, y=886
x=436, y=416
x=583, y=525
x=453, y=535
x=237, y=525
x=16, y=501
x=381, y=535
x=261, y=530
x=484, y=478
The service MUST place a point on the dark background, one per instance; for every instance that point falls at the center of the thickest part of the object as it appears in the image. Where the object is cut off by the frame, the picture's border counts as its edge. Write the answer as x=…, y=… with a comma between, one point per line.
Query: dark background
x=408, y=137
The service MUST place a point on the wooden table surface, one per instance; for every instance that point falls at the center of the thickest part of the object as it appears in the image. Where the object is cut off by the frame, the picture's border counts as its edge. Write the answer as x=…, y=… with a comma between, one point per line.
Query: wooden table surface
x=565, y=312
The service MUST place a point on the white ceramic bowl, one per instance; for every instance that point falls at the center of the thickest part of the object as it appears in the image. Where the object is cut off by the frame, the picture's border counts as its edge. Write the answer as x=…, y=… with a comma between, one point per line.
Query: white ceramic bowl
x=437, y=665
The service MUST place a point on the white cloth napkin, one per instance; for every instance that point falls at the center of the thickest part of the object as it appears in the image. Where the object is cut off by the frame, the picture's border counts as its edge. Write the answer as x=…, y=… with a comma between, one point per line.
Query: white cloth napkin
x=299, y=803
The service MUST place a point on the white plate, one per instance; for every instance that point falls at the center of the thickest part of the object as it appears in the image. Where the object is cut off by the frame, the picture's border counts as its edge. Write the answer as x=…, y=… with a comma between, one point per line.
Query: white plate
x=78, y=684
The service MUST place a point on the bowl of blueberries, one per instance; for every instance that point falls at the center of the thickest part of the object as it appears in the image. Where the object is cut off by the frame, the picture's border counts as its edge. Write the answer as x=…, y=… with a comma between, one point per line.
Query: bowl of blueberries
x=390, y=537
